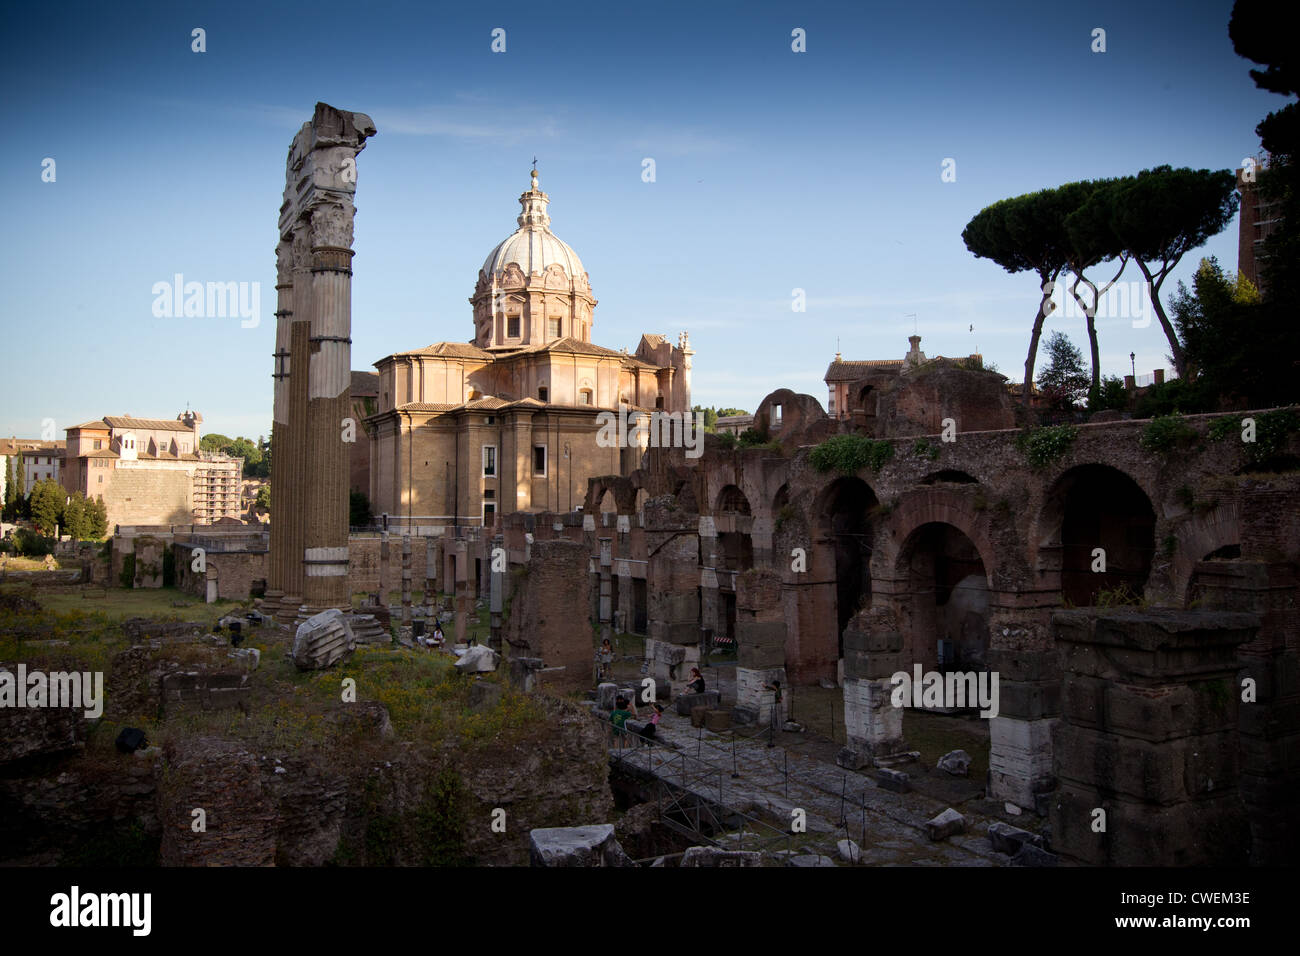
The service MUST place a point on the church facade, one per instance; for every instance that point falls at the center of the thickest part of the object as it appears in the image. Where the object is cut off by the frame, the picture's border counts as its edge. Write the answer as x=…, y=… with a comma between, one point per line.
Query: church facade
x=510, y=420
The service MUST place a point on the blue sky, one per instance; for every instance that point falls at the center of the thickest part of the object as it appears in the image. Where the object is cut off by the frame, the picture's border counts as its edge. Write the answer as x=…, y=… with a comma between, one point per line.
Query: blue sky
x=774, y=171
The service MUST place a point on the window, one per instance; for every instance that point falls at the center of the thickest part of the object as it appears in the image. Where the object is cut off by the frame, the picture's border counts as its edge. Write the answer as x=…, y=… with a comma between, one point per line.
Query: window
x=98, y=444
x=659, y=401
x=491, y=419
x=543, y=394
x=101, y=479
x=489, y=461
x=489, y=494
x=553, y=327
x=489, y=509
x=512, y=327
x=776, y=416
x=585, y=396
x=539, y=461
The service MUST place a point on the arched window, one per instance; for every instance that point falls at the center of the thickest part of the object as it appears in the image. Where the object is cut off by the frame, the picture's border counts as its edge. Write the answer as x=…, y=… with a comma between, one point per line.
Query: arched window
x=542, y=394
x=585, y=396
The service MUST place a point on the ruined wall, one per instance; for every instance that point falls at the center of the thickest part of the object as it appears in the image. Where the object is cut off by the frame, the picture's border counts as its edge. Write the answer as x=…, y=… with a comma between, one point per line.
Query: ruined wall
x=546, y=617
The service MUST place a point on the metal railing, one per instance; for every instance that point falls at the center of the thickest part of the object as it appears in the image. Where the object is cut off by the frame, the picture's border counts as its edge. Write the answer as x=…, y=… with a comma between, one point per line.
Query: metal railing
x=684, y=788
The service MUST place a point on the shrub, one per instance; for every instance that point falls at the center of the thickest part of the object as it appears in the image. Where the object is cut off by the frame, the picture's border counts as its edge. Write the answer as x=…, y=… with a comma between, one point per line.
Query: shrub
x=1176, y=395
x=32, y=545
x=923, y=448
x=1167, y=433
x=850, y=454
x=1042, y=446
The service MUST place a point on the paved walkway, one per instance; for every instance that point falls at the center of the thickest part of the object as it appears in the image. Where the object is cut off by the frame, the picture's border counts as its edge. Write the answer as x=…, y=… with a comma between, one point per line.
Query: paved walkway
x=890, y=830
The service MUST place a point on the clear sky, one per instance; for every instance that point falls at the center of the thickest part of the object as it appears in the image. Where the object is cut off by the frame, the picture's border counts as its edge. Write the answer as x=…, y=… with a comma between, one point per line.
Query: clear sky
x=775, y=170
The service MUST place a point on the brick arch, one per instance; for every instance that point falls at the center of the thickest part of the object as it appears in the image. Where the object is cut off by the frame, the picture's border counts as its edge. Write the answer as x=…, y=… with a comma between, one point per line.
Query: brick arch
x=732, y=499
x=932, y=505
x=1046, y=534
x=1200, y=536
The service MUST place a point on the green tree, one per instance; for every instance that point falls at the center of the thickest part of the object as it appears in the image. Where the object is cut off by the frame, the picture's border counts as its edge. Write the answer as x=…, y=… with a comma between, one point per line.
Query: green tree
x=46, y=504
x=1256, y=35
x=10, y=504
x=1160, y=215
x=1026, y=234
x=1237, y=344
x=97, y=518
x=75, y=521
x=1063, y=378
x=264, y=497
x=1092, y=242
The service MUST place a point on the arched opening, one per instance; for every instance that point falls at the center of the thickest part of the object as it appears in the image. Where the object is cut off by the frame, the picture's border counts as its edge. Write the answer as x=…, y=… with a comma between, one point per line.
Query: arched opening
x=1098, y=517
x=867, y=399
x=543, y=393
x=642, y=496
x=731, y=500
x=608, y=505
x=735, y=546
x=846, y=531
x=945, y=607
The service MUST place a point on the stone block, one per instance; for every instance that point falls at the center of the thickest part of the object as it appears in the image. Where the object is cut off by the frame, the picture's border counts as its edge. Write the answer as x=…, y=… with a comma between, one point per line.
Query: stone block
x=1030, y=855
x=946, y=824
x=1029, y=700
x=716, y=720
x=576, y=846
x=698, y=856
x=896, y=781
x=955, y=762
x=1170, y=771
x=698, y=714
x=687, y=702
x=1008, y=839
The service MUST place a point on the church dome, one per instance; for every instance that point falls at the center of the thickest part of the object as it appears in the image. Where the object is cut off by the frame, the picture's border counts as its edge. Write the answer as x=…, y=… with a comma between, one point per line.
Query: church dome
x=533, y=247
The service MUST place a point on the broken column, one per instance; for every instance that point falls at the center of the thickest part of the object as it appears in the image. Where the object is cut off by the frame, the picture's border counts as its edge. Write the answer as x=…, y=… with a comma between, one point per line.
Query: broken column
x=316, y=220
x=322, y=640
x=430, y=575
x=760, y=639
x=873, y=652
x=1146, y=750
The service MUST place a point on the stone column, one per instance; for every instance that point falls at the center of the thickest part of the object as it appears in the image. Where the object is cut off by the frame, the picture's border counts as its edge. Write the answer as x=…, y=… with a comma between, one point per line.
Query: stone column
x=1147, y=737
x=406, y=579
x=760, y=640
x=385, y=553
x=1020, y=736
x=710, y=601
x=495, y=596
x=322, y=175
x=430, y=574
x=284, y=480
x=672, y=592
x=873, y=652
x=606, y=565
x=623, y=571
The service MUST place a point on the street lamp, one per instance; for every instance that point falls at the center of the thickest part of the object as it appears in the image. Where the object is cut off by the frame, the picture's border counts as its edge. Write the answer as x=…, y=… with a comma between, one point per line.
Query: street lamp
x=1132, y=360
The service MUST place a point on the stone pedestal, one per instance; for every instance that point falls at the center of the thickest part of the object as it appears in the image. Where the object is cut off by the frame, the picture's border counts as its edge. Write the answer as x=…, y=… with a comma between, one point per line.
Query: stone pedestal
x=873, y=726
x=1020, y=736
x=1149, y=710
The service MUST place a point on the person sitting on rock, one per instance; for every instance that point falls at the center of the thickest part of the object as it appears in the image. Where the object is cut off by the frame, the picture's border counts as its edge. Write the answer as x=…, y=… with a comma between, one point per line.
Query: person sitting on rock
x=696, y=684
x=652, y=727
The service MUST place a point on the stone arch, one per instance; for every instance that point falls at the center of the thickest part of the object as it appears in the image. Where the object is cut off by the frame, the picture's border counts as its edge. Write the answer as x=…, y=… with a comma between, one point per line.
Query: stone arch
x=608, y=502
x=944, y=605
x=1093, y=506
x=731, y=500
x=934, y=505
x=1199, y=538
x=842, y=550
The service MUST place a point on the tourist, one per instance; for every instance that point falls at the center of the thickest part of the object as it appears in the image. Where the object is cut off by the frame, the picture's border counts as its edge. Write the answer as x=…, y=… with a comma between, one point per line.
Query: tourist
x=652, y=727
x=606, y=658
x=437, y=638
x=696, y=683
x=619, y=717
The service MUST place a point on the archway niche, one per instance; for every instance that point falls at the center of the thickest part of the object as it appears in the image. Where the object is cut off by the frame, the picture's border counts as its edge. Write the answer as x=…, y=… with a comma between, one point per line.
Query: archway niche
x=844, y=539
x=944, y=611
x=735, y=547
x=608, y=504
x=1091, y=507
